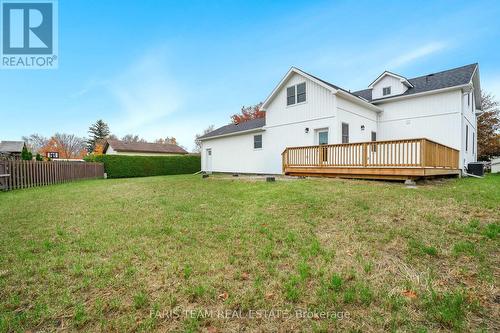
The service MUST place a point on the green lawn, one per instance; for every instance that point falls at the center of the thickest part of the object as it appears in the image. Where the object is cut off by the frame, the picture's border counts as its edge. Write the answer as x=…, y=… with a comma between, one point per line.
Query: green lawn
x=118, y=255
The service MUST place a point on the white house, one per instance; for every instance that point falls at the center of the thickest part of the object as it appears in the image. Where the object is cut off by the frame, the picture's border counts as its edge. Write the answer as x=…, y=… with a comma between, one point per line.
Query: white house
x=304, y=110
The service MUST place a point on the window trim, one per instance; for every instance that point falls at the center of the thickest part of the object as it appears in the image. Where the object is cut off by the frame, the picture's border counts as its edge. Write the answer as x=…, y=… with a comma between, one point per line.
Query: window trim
x=342, y=132
x=261, y=142
x=384, y=89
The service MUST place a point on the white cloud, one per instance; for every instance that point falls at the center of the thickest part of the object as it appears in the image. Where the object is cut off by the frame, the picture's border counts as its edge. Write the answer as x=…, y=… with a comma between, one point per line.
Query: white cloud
x=418, y=53
x=145, y=92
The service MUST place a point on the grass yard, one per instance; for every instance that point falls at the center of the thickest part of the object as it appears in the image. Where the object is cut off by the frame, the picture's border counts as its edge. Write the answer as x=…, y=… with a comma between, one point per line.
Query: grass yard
x=134, y=254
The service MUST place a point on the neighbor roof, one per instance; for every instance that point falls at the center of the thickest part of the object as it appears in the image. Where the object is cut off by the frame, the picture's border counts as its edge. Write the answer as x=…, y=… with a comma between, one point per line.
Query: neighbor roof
x=144, y=147
x=248, y=125
x=11, y=146
x=445, y=79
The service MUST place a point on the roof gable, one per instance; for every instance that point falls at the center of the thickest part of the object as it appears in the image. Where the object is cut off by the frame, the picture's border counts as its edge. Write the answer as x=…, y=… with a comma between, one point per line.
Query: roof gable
x=401, y=79
x=294, y=70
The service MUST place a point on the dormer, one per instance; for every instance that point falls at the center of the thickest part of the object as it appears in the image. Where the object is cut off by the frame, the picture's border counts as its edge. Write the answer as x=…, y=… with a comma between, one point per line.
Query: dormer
x=389, y=84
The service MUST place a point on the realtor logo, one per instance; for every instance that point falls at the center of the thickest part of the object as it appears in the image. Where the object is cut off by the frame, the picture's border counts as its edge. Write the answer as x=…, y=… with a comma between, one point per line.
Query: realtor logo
x=29, y=34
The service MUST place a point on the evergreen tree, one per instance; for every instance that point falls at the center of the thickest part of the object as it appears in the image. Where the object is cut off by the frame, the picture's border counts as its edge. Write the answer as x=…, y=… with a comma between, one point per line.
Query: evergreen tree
x=98, y=132
x=38, y=157
x=26, y=155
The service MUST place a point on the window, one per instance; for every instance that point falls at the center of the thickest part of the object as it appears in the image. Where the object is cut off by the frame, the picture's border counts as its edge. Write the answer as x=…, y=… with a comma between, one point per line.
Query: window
x=374, y=138
x=290, y=95
x=466, y=137
x=53, y=155
x=345, y=133
x=301, y=92
x=473, y=138
x=386, y=91
x=296, y=94
x=257, y=141
x=323, y=138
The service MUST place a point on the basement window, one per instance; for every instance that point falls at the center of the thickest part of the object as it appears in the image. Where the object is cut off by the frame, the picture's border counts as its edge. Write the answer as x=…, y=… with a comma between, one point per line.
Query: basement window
x=386, y=91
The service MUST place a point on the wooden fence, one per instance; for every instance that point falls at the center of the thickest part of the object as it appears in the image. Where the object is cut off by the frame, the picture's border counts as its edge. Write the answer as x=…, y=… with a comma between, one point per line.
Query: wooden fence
x=24, y=174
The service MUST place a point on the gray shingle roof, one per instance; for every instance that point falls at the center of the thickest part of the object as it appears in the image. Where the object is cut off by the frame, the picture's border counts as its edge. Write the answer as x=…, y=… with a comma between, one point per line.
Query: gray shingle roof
x=144, y=147
x=11, y=146
x=445, y=79
x=233, y=128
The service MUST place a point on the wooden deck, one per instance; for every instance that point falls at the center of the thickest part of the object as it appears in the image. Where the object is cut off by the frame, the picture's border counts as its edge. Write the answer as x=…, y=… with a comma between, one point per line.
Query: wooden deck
x=394, y=159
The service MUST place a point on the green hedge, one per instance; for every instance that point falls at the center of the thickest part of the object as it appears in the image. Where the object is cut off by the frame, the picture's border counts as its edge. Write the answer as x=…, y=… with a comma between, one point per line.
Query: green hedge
x=121, y=166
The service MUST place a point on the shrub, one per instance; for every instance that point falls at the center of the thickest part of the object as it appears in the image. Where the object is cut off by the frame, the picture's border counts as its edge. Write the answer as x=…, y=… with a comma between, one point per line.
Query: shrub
x=121, y=166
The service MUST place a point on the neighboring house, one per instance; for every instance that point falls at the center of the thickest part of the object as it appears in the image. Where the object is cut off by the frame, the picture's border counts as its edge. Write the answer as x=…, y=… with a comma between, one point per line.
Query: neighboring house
x=304, y=110
x=56, y=151
x=116, y=147
x=11, y=149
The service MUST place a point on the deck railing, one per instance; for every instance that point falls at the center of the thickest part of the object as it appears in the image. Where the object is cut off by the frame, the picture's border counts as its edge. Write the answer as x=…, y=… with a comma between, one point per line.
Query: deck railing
x=409, y=153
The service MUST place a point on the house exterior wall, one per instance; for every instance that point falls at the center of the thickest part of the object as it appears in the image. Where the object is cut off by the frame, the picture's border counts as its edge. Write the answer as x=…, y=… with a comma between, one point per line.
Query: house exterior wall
x=397, y=87
x=469, y=129
x=356, y=116
x=289, y=126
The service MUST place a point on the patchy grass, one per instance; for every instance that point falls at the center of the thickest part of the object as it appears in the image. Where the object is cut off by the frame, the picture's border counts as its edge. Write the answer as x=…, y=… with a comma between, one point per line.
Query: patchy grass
x=133, y=254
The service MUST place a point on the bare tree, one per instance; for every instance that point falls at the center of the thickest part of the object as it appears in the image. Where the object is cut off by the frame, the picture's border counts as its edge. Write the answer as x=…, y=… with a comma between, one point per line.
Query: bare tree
x=197, y=142
x=70, y=144
x=35, y=142
x=168, y=140
x=132, y=138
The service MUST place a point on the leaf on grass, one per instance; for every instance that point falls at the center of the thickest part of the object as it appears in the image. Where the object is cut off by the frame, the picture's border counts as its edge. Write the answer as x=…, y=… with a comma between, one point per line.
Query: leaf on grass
x=223, y=296
x=409, y=294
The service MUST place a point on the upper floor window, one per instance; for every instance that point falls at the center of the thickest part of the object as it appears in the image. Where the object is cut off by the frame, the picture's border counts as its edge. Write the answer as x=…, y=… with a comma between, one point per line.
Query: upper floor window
x=345, y=133
x=296, y=94
x=257, y=141
x=386, y=91
x=53, y=155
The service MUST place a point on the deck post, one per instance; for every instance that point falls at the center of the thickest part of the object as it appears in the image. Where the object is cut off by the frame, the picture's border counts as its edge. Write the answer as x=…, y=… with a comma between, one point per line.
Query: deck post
x=422, y=152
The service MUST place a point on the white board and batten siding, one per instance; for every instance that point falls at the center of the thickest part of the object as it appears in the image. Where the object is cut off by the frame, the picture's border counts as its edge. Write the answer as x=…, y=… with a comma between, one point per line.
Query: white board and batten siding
x=397, y=87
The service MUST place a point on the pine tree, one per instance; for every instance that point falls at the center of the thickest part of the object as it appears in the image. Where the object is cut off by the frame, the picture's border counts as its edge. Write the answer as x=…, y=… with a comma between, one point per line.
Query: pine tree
x=99, y=131
x=26, y=154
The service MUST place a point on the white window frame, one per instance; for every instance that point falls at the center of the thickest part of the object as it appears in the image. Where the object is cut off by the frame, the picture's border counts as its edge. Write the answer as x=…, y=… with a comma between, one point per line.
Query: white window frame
x=383, y=91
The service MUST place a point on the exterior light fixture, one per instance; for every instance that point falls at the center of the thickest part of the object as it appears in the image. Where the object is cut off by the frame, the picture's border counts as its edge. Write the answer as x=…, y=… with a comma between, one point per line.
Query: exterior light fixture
x=362, y=127
x=307, y=130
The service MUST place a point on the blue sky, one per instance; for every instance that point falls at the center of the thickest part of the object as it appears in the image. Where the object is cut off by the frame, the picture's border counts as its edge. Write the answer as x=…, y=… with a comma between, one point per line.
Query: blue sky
x=161, y=68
